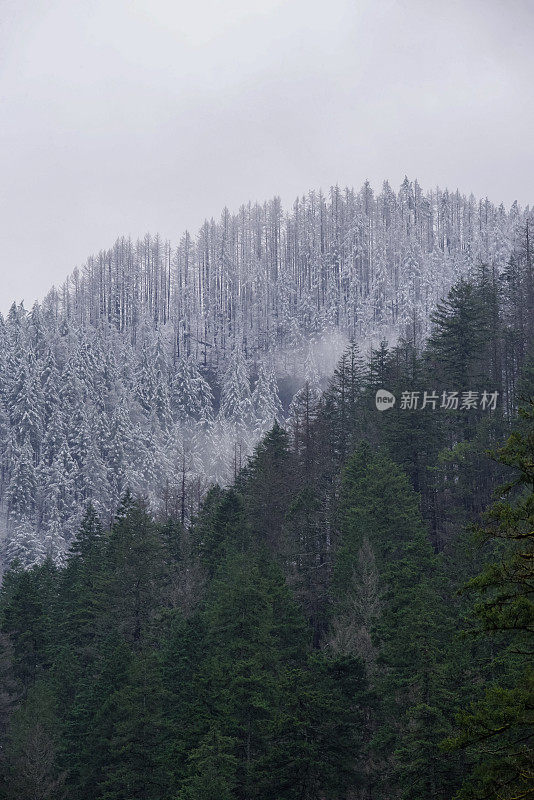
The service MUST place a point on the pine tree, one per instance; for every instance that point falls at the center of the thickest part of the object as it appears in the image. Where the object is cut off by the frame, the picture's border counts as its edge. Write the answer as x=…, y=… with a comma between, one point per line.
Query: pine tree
x=136, y=766
x=25, y=403
x=53, y=438
x=137, y=560
x=317, y=730
x=497, y=728
x=22, y=487
x=79, y=646
x=146, y=379
x=54, y=542
x=379, y=513
x=302, y=414
x=32, y=749
x=6, y=437
x=236, y=403
x=89, y=537
x=120, y=451
x=191, y=394
x=22, y=545
x=265, y=400
x=162, y=406
x=94, y=479
x=459, y=340
x=378, y=367
x=267, y=484
x=250, y=621
x=341, y=401
x=211, y=769
x=27, y=597
x=9, y=696
x=185, y=715
x=221, y=527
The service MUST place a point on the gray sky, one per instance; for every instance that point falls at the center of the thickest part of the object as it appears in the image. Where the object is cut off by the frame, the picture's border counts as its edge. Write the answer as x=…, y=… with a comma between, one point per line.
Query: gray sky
x=126, y=116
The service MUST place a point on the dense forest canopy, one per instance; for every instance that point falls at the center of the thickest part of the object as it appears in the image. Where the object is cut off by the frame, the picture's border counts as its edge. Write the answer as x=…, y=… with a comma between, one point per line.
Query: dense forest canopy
x=159, y=369
x=229, y=576
x=303, y=635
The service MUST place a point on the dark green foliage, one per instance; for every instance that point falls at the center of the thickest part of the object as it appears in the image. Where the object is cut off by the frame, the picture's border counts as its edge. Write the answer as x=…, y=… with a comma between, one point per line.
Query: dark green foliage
x=28, y=599
x=31, y=754
x=300, y=638
x=211, y=769
x=127, y=696
x=342, y=401
x=267, y=486
x=136, y=764
x=389, y=609
x=318, y=731
x=498, y=729
x=220, y=527
x=461, y=336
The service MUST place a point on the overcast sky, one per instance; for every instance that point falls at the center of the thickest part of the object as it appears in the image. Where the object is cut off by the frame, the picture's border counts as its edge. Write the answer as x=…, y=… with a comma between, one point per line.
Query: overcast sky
x=126, y=116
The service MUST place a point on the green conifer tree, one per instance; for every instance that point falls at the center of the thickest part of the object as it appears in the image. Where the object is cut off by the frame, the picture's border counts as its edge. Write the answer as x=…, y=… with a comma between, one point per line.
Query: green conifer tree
x=497, y=729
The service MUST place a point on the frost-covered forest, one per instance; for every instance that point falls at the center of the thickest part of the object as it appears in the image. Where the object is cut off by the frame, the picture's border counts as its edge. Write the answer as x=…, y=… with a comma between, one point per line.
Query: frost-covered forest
x=159, y=368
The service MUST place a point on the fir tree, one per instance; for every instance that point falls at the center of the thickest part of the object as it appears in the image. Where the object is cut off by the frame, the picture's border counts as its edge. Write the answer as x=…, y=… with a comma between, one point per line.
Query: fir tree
x=265, y=400
x=379, y=512
x=236, y=403
x=267, y=484
x=497, y=728
x=211, y=769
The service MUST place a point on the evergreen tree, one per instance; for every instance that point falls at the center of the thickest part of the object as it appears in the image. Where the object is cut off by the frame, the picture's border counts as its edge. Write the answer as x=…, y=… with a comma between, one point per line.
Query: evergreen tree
x=497, y=728
x=317, y=732
x=212, y=769
x=146, y=378
x=27, y=598
x=267, y=485
x=380, y=514
x=220, y=528
x=460, y=337
x=265, y=400
x=137, y=563
x=22, y=487
x=32, y=749
x=22, y=546
x=250, y=620
x=136, y=766
x=25, y=406
x=191, y=394
x=342, y=397
x=236, y=402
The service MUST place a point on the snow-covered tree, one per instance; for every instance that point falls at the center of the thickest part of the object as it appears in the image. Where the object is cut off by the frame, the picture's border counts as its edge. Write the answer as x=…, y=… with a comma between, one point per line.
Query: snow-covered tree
x=265, y=400
x=22, y=489
x=236, y=402
x=22, y=545
x=192, y=397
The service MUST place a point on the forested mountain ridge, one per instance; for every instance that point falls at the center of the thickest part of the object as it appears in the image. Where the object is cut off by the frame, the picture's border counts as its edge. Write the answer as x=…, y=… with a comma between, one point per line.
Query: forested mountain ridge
x=159, y=369
x=369, y=264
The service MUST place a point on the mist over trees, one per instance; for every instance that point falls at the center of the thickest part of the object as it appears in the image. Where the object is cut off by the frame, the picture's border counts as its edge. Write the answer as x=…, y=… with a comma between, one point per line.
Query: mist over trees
x=159, y=369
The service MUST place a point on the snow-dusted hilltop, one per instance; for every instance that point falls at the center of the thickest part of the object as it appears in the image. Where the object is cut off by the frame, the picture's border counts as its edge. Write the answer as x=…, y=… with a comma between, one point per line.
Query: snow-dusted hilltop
x=159, y=368
x=362, y=262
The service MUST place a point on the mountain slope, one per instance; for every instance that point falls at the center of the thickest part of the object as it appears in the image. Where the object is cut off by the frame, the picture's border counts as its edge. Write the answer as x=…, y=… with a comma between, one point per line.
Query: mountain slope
x=159, y=369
